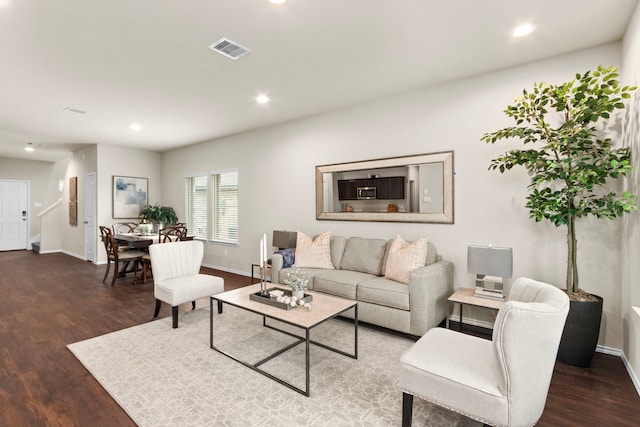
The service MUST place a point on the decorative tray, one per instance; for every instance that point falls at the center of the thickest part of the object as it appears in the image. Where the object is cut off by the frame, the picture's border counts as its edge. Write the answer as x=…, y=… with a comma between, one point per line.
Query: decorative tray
x=272, y=301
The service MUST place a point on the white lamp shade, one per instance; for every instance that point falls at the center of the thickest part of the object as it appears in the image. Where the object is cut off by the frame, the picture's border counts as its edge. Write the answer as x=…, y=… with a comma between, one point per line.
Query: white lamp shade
x=490, y=261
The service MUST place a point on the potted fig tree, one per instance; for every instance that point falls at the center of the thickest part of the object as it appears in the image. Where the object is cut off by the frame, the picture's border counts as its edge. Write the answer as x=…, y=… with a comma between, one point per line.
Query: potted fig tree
x=571, y=161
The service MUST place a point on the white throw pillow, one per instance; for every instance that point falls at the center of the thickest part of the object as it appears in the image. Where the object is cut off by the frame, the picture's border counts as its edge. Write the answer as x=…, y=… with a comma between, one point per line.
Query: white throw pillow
x=313, y=253
x=404, y=257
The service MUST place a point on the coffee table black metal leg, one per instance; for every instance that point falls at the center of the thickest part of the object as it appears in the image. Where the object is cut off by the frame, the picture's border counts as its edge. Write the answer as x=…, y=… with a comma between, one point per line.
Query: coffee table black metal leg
x=308, y=345
x=211, y=319
x=355, y=323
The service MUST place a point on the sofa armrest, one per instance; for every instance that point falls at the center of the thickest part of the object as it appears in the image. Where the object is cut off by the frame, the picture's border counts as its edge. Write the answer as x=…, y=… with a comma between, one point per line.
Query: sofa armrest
x=276, y=265
x=429, y=288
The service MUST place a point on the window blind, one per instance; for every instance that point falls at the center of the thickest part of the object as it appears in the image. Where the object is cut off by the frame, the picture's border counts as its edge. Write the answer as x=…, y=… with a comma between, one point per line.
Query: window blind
x=196, y=190
x=224, y=206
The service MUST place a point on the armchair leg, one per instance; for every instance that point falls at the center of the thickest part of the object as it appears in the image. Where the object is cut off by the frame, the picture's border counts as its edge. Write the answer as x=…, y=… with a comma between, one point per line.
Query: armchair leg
x=174, y=315
x=158, y=304
x=219, y=307
x=193, y=305
x=407, y=409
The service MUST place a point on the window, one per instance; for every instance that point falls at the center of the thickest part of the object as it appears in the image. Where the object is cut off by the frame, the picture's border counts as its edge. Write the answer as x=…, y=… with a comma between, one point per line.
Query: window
x=224, y=206
x=212, y=205
x=196, y=190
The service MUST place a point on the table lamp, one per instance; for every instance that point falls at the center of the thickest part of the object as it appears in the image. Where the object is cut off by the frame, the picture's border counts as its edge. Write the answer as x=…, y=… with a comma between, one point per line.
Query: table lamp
x=284, y=239
x=490, y=265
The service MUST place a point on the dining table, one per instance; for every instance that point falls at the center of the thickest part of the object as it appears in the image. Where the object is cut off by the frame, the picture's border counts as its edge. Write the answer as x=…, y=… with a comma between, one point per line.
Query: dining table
x=140, y=242
x=136, y=240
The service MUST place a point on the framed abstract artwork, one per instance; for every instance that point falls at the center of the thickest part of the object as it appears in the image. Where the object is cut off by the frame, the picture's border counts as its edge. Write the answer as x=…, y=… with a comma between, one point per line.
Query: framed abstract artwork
x=130, y=195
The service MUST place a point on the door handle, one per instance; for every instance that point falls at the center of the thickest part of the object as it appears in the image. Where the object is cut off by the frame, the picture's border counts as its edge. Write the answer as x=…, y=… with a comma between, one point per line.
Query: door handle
x=85, y=222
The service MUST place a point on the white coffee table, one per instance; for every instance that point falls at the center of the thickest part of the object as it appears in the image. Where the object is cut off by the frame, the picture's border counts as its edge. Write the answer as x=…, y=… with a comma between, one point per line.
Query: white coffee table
x=324, y=307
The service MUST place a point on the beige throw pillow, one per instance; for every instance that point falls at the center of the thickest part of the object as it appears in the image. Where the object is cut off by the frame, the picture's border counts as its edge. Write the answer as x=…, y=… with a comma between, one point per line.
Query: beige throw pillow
x=313, y=253
x=404, y=257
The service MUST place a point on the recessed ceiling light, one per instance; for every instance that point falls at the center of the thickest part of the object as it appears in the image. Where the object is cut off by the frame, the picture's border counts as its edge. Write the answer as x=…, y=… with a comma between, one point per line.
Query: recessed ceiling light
x=29, y=147
x=277, y=1
x=262, y=99
x=135, y=126
x=522, y=30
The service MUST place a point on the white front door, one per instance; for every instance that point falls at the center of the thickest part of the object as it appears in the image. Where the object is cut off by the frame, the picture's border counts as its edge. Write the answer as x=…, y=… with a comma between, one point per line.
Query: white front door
x=90, y=217
x=14, y=215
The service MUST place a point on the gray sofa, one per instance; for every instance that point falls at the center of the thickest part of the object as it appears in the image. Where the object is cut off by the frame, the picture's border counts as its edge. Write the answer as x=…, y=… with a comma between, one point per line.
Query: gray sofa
x=360, y=265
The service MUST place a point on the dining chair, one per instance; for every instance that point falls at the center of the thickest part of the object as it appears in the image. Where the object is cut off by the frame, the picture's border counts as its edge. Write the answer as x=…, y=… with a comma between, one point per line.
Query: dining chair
x=166, y=235
x=173, y=233
x=124, y=227
x=502, y=382
x=114, y=255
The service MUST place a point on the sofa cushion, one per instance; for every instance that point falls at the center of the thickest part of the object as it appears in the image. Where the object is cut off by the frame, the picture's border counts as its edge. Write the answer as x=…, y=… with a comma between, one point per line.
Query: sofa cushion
x=311, y=273
x=337, y=244
x=313, y=253
x=432, y=256
x=363, y=255
x=337, y=249
x=342, y=283
x=404, y=257
x=381, y=291
x=383, y=269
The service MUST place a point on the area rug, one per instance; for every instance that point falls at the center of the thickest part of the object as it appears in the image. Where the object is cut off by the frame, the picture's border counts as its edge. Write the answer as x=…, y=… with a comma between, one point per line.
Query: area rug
x=170, y=377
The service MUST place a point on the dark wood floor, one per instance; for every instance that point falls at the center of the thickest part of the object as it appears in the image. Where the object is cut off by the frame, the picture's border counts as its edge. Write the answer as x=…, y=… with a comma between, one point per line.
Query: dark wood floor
x=51, y=300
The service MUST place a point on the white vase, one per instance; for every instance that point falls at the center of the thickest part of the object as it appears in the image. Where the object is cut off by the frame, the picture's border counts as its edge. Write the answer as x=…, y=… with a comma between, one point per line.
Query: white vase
x=298, y=294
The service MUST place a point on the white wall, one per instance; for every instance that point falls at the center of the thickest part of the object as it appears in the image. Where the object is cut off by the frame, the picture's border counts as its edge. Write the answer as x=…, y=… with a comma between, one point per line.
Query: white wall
x=276, y=178
x=82, y=162
x=631, y=241
x=113, y=160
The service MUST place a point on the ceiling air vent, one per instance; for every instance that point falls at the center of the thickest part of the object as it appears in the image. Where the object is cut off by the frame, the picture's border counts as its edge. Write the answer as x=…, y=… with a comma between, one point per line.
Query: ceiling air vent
x=228, y=48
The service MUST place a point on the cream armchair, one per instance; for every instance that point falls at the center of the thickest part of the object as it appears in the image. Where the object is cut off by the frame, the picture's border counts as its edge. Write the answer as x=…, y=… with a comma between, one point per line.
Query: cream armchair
x=502, y=382
x=177, y=278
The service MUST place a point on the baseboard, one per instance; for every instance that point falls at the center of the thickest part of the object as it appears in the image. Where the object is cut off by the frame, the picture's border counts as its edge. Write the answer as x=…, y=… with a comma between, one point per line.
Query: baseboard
x=228, y=270
x=618, y=352
x=74, y=255
x=59, y=251
x=471, y=321
x=600, y=349
x=56, y=251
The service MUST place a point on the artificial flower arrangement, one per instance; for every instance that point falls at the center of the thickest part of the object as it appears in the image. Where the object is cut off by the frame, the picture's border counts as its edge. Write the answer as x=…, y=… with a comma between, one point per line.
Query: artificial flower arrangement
x=296, y=279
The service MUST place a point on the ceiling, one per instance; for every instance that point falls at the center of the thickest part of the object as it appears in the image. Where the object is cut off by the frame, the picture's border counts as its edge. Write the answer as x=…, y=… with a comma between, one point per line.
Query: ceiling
x=147, y=61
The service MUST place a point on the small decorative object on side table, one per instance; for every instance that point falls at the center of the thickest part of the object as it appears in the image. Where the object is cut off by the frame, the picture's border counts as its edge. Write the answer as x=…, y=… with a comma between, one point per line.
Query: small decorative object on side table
x=465, y=296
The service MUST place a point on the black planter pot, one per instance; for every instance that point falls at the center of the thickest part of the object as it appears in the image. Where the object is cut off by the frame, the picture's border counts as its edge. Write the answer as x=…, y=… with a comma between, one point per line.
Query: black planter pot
x=580, y=334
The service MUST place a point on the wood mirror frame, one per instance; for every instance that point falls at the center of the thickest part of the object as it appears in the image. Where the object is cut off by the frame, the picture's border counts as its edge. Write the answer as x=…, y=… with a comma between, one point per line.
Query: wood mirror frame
x=427, y=177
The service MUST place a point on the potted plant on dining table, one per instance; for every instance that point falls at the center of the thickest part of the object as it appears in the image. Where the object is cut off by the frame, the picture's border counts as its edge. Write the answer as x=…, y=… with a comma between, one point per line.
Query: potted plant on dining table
x=159, y=215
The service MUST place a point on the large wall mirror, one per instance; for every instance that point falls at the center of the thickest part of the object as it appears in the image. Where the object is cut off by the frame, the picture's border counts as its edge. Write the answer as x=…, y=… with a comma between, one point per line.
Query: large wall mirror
x=399, y=189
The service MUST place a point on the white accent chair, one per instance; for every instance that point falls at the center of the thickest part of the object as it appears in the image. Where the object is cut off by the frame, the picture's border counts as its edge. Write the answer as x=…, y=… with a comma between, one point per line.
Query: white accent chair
x=177, y=278
x=502, y=382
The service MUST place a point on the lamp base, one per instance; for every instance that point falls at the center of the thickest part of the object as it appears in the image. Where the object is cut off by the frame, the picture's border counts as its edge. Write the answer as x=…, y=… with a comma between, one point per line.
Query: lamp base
x=489, y=287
